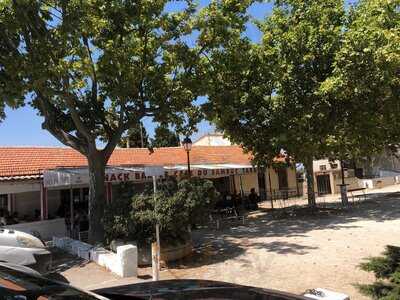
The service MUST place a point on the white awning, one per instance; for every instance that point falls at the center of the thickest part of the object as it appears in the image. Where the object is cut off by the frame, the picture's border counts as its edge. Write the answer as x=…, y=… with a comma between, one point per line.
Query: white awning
x=75, y=176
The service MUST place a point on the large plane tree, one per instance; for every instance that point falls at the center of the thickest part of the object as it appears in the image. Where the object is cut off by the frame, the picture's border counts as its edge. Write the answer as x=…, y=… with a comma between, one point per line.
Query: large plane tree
x=96, y=68
x=266, y=96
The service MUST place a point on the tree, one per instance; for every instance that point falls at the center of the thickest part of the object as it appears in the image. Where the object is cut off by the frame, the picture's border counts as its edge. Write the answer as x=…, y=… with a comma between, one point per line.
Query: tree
x=266, y=96
x=135, y=137
x=164, y=137
x=94, y=68
x=365, y=84
x=387, y=272
x=10, y=81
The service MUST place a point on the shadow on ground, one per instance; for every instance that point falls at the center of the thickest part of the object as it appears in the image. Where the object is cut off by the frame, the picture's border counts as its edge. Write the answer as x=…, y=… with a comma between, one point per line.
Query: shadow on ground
x=62, y=261
x=213, y=246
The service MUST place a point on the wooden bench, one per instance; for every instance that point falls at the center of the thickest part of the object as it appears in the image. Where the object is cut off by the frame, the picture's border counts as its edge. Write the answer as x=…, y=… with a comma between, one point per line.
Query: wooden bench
x=359, y=197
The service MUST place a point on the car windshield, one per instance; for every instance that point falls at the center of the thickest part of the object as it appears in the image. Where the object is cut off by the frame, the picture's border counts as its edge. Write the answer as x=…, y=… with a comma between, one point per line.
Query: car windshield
x=22, y=286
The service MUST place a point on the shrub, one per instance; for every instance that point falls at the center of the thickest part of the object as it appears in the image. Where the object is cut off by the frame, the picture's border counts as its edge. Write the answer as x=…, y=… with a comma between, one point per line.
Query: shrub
x=387, y=272
x=177, y=205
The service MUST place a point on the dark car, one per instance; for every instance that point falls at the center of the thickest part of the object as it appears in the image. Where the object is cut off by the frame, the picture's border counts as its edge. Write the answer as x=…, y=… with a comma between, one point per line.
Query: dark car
x=193, y=289
x=22, y=283
x=17, y=282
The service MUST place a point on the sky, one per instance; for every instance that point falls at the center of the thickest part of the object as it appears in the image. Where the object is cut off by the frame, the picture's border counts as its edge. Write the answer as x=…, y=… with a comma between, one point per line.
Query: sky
x=23, y=127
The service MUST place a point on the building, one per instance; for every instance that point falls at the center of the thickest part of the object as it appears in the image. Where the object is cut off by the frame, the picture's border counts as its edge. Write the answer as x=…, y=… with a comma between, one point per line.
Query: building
x=36, y=182
x=212, y=139
x=328, y=176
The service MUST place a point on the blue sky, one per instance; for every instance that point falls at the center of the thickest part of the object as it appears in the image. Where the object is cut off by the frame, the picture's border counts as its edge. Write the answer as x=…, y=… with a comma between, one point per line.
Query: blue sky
x=23, y=126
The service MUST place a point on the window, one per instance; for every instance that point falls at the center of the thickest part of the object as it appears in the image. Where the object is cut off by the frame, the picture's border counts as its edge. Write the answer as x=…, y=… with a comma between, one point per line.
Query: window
x=322, y=167
x=334, y=166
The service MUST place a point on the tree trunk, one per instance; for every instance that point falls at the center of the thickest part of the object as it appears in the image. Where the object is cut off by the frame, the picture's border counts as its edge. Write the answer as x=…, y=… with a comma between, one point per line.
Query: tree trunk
x=97, y=195
x=308, y=164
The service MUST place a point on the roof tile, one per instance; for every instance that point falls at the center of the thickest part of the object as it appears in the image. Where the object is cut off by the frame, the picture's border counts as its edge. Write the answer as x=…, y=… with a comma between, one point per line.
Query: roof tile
x=24, y=161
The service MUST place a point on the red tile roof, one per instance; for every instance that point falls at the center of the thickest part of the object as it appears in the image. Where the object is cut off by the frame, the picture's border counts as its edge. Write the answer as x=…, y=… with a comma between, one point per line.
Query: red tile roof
x=28, y=161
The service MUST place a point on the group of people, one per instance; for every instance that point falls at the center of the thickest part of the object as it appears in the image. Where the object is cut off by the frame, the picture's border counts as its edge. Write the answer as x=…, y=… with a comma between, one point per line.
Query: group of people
x=235, y=201
x=8, y=219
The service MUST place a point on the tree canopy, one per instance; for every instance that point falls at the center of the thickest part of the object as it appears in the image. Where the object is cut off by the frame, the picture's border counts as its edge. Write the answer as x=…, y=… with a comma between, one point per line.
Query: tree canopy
x=165, y=137
x=365, y=84
x=266, y=96
x=135, y=137
x=94, y=68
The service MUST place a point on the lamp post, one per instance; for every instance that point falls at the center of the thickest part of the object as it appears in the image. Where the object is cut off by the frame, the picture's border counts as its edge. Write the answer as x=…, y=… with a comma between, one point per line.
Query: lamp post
x=187, y=145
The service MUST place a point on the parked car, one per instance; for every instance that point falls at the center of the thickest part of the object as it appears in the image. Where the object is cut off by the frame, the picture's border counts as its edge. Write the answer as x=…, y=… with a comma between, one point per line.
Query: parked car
x=18, y=282
x=180, y=289
x=24, y=249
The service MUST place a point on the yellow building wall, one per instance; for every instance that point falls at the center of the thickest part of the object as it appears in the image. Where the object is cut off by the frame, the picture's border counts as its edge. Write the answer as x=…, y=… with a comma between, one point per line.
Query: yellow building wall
x=250, y=181
x=274, y=179
x=292, y=179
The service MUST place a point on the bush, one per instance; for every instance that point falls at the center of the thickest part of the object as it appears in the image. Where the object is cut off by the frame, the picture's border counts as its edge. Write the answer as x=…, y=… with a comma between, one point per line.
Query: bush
x=177, y=206
x=387, y=272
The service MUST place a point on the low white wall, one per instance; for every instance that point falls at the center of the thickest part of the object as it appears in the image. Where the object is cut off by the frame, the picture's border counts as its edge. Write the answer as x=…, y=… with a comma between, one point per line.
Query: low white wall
x=123, y=263
x=47, y=228
x=380, y=182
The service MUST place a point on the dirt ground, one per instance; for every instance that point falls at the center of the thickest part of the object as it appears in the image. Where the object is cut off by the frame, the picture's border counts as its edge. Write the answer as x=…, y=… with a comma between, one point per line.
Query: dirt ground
x=284, y=250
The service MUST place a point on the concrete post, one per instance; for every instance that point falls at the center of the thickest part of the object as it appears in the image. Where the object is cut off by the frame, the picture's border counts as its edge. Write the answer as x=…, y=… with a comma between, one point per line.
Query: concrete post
x=343, y=194
x=43, y=203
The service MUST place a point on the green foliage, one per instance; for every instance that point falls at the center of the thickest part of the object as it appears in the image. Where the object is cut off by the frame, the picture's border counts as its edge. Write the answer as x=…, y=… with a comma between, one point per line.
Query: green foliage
x=387, y=270
x=93, y=69
x=266, y=96
x=135, y=137
x=175, y=207
x=164, y=137
x=365, y=84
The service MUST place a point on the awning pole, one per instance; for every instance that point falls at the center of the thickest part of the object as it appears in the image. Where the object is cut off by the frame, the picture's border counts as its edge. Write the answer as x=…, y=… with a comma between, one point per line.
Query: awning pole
x=241, y=185
x=71, y=207
x=270, y=187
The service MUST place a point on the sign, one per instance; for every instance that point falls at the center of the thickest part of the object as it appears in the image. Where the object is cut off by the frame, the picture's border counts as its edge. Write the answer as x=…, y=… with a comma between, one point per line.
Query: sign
x=154, y=171
x=69, y=177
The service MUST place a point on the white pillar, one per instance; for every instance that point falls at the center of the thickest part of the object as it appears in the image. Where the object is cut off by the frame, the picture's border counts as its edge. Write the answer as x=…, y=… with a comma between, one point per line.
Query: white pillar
x=10, y=203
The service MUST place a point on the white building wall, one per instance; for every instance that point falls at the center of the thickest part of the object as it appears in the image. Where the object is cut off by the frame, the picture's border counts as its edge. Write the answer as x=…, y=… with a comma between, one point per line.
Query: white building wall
x=212, y=140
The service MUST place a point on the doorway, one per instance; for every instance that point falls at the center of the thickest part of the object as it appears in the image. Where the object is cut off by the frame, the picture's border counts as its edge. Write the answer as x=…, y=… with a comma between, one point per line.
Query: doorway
x=324, y=184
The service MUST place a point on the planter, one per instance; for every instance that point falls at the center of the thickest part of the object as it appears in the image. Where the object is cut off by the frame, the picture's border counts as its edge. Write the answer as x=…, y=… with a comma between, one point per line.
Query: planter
x=167, y=253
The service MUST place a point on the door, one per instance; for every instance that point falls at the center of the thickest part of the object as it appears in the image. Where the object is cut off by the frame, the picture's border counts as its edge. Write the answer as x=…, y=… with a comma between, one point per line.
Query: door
x=282, y=179
x=323, y=185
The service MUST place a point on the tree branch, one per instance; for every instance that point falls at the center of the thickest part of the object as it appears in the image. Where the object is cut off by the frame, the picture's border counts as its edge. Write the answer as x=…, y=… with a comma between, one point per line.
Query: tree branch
x=112, y=143
x=92, y=66
x=64, y=137
x=71, y=103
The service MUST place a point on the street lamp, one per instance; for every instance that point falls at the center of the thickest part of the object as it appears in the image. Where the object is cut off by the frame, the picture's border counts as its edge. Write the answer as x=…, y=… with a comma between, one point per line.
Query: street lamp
x=187, y=145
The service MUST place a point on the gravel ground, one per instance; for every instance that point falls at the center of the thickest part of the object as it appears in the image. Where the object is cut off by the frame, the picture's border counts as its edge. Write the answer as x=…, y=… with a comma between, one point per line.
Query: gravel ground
x=298, y=251
x=285, y=250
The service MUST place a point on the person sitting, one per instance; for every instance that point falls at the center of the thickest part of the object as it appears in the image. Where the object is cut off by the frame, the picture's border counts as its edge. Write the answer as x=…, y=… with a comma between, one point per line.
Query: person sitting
x=253, y=199
x=235, y=202
x=37, y=214
x=15, y=217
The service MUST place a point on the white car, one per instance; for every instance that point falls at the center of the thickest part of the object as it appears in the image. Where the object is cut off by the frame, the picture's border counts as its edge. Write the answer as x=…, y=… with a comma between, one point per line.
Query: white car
x=24, y=249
